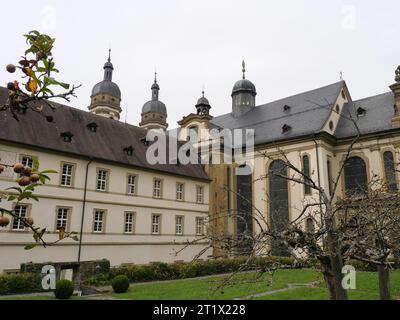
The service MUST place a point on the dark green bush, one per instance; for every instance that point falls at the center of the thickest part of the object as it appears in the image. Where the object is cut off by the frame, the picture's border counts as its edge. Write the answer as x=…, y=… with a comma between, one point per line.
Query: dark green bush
x=20, y=283
x=120, y=284
x=171, y=271
x=64, y=289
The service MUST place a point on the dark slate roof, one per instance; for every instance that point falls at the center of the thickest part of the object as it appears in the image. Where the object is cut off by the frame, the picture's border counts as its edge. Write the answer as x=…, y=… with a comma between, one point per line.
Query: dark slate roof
x=106, y=144
x=378, y=115
x=244, y=85
x=154, y=106
x=307, y=115
x=106, y=86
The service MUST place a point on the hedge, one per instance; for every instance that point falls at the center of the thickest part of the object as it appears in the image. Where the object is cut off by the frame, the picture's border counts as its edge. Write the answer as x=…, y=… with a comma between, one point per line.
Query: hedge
x=20, y=283
x=164, y=271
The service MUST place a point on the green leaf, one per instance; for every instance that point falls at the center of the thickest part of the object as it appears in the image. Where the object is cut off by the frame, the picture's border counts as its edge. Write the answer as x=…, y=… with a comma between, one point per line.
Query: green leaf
x=30, y=246
x=49, y=171
x=75, y=238
x=15, y=188
x=11, y=198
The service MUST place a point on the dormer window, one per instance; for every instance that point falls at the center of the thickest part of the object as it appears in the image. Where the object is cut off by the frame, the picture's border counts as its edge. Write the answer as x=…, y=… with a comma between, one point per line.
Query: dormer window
x=67, y=136
x=361, y=112
x=92, y=127
x=286, y=108
x=145, y=141
x=49, y=118
x=286, y=128
x=129, y=150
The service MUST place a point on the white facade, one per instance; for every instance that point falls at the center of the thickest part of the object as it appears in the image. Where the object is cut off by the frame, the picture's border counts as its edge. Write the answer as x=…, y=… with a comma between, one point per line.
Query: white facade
x=139, y=245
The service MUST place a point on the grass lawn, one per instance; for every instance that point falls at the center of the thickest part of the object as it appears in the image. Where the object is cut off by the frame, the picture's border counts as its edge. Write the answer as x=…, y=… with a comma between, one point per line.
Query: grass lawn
x=202, y=289
x=246, y=284
x=367, y=288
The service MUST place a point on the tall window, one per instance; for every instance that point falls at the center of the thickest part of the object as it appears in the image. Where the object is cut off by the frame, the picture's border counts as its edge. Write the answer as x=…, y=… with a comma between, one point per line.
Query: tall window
x=62, y=218
x=157, y=188
x=306, y=172
x=179, y=191
x=66, y=175
x=278, y=203
x=155, y=224
x=390, y=171
x=199, y=226
x=330, y=181
x=21, y=211
x=179, y=225
x=199, y=194
x=102, y=180
x=98, y=222
x=131, y=184
x=355, y=175
x=27, y=161
x=310, y=227
x=129, y=222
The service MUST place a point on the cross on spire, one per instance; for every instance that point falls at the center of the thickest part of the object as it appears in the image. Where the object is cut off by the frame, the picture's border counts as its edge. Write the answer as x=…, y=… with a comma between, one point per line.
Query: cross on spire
x=244, y=69
x=109, y=55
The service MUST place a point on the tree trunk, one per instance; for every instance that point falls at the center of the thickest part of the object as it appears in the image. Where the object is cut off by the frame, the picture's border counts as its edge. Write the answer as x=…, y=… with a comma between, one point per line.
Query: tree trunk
x=337, y=266
x=333, y=247
x=384, y=288
x=326, y=271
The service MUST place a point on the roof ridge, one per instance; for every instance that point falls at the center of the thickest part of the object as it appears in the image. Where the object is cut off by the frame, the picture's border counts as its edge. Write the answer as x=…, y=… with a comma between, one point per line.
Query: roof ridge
x=374, y=96
x=304, y=92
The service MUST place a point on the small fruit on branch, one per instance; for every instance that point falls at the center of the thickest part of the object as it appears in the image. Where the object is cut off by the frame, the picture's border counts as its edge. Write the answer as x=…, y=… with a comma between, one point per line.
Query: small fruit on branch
x=24, y=181
x=28, y=221
x=34, y=178
x=19, y=168
x=27, y=170
x=11, y=68
x=4, y=221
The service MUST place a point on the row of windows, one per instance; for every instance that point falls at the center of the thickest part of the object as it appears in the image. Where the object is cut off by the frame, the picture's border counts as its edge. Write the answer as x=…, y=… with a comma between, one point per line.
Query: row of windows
x=355, y=173
x=64, y=214
x=102, y=178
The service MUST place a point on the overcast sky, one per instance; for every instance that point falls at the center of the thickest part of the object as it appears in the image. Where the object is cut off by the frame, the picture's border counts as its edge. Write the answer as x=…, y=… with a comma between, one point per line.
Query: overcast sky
x=289, y=47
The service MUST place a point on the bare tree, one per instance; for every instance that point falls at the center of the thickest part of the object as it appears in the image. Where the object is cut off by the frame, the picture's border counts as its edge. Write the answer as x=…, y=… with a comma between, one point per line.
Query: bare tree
x=370, y=228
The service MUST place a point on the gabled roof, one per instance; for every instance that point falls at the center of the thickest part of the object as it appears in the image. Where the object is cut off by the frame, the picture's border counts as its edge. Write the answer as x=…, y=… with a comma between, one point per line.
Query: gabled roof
x=377, y=117
x=107, y=143
x=307, y=115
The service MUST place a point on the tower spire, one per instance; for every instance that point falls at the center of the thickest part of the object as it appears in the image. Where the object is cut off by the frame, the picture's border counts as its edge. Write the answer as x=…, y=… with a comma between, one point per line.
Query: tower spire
x=109, y=55
x=244, y=69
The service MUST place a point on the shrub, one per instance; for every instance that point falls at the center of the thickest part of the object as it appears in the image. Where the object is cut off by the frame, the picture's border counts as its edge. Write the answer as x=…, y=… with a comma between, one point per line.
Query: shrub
x=120, y=284
x=181, y=270
x=64, y=289
x=20, y=283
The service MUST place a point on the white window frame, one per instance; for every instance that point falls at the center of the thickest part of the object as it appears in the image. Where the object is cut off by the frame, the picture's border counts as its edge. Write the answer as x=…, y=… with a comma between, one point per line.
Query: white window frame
x=129, y=224
x=131, y=184
x=102, y=177
x=156, y=224
x=62, y=221
x=98, y=224
x=27, y=161
x=179, y=225
x=180, y=191
x=199, y=226
x=199, y=194
x=66, y=175
x=157, y=188
x=18, y=225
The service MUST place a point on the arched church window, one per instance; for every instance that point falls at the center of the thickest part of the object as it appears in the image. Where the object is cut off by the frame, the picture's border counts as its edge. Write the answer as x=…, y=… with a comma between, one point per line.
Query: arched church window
x=306, y=172
x=278, y=203
x=390, y=171
x=310, y=227
x=355, y=175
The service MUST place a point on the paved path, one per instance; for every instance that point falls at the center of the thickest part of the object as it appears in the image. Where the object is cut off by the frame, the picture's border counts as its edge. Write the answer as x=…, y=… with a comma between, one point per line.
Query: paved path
x=290, y=286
